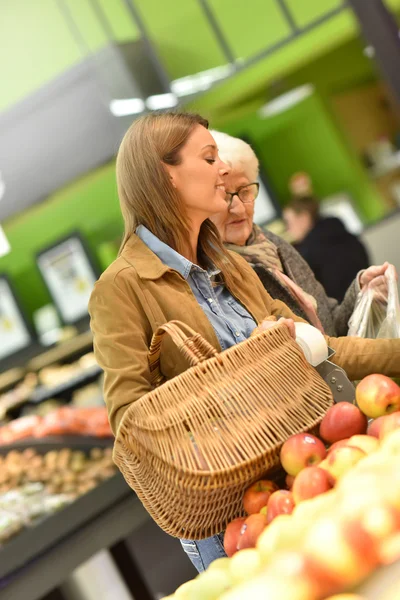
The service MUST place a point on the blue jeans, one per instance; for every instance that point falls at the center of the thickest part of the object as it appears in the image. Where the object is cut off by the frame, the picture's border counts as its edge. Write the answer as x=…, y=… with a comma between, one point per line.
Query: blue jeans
x=203, y=552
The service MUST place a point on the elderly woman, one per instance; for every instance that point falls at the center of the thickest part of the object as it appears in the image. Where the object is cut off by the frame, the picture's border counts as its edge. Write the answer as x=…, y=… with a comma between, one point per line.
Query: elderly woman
x=284, y=273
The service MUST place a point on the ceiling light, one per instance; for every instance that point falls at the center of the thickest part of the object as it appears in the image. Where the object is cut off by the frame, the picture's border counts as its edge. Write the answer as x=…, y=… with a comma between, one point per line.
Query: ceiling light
x=202, y=81
x=286, y=101
x=160, y=101
x=4, y=244
x=127, y=106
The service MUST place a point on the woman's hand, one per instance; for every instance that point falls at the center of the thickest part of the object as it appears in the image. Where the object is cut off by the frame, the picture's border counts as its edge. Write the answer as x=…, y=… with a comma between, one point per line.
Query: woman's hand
x=374, y=277
x=271, y=322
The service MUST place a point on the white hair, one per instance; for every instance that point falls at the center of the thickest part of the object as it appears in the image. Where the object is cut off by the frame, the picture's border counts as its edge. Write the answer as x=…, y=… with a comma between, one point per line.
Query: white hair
x=236, y=153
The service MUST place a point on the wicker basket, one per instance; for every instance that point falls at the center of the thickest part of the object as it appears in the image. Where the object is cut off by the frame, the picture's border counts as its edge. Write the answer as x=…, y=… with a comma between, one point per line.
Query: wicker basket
x=191, y=447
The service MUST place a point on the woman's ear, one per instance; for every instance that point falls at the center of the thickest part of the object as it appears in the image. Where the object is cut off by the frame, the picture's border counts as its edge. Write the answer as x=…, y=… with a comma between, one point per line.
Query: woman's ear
x=171, y=174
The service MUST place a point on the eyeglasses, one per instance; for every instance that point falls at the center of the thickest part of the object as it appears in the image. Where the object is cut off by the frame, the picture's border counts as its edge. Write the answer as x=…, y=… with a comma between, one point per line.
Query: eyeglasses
x=246, y=194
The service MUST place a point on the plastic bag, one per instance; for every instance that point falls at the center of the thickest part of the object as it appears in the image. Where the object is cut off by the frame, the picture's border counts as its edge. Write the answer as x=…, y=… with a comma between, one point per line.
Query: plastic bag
x=373, y=317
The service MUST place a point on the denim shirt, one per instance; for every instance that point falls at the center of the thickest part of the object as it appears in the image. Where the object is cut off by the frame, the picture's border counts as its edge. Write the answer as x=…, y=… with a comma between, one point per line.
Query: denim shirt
x=232, y=323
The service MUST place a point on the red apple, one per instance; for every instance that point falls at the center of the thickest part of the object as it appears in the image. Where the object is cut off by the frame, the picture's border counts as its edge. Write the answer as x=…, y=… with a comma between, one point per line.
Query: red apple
x=300, y=451
x=388, y=424
x=232, y=534
x=252, y=527
x=257, y=495
x=339, y=550
x=341, y=421
x=390, y=550
x=365, y=442
x=338, y=444
x=341, y=460
x=311, y=482
x=374, y=427
x=280, y=503
x=378, y=395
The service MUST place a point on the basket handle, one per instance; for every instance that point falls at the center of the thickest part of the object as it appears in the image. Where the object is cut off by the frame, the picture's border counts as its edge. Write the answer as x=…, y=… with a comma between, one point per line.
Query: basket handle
x=192, y=345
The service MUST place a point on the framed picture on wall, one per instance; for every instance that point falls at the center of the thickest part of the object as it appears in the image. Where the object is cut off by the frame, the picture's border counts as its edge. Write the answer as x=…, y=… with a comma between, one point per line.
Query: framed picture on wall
x=69, y=274
x=15, y=333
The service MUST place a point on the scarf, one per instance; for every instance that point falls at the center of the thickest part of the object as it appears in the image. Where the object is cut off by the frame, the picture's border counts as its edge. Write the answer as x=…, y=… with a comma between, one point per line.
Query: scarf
x=260, y=250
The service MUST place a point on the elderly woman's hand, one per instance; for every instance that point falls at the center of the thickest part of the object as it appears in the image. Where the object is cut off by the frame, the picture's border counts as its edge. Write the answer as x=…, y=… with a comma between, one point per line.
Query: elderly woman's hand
x=271, y=322
x=374, y=278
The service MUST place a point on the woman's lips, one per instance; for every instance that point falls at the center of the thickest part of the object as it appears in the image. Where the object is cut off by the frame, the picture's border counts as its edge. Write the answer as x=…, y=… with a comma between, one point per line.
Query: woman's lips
x=236, y=223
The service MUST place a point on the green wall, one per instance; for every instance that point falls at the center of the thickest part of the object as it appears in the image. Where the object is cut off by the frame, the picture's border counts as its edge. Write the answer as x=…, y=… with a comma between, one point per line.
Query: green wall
x=89, y=205
x=307, y=139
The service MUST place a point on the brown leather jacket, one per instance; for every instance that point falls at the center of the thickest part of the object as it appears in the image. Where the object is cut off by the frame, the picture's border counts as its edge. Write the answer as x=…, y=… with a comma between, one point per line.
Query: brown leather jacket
x=138, y=293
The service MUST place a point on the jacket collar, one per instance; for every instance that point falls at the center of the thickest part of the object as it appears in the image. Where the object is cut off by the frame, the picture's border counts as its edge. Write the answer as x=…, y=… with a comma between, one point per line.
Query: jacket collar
x=145, y=262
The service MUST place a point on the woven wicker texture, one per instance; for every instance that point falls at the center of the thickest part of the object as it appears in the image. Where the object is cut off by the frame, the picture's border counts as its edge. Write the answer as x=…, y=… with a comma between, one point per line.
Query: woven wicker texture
x=191, y=447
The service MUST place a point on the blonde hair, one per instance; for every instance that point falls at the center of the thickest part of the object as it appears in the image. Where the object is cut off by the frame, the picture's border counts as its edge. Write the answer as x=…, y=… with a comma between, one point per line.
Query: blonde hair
x=147, y=196
x=237, y=153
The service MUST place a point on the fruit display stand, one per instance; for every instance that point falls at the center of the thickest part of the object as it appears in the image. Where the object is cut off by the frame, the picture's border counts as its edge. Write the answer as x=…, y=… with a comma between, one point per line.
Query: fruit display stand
x=42, y=556
x=334, y=532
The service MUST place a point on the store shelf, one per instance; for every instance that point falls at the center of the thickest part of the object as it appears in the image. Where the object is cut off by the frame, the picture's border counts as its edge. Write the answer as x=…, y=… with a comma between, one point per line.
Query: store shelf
x=43, y=393
x=81, y=342
x=34, y=540
x=53, y=442
x=10, y=378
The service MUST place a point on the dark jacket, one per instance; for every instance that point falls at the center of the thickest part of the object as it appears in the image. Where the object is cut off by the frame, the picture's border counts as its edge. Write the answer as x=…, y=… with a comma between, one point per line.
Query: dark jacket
x=334, y=316
x=334, y=255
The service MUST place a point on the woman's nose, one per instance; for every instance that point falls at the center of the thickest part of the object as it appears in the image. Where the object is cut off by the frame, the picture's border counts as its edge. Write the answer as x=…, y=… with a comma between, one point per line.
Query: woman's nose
x=237, y=206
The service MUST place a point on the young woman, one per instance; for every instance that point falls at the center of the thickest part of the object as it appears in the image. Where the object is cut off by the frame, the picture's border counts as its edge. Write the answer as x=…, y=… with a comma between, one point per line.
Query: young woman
x=173, y=265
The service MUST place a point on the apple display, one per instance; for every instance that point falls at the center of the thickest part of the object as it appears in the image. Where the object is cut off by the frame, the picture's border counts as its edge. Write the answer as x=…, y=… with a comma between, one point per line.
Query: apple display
x=300, y=451
x=378, y=395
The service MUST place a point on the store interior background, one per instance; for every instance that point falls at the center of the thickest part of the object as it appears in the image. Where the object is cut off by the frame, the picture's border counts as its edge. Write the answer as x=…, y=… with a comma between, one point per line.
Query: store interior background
x=326, y=134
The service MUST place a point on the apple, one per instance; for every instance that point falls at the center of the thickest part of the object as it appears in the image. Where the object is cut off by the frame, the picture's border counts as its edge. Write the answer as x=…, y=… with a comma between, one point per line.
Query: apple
x=278, y=531
x=300, y=451
x=339, y=552
x=183, y=590
x=380, y=521
x=389, y=551
x=280, y=503
x=391, y=443
x=257, y=495
x=338, y=444
x=341, y=460
x=341, y=421
x=220, y=563
x=251, y=529
x=365, y=442
x=244, y=565
x=210, y=585
x=378, y=395
x=267, y=586
x=389, y=423
x=346, y=597
x=311, y=482
x=374, y=428
x=232, y=534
